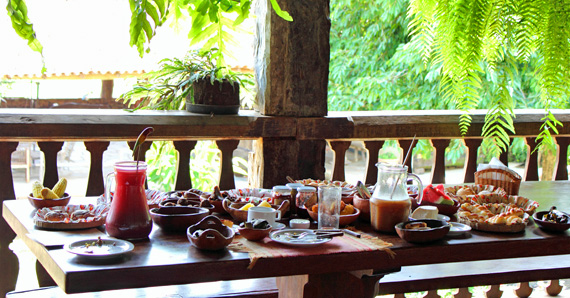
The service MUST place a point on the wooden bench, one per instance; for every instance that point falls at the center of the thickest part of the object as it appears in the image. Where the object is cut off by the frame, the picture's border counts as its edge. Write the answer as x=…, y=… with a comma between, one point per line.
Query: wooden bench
x=410, y=279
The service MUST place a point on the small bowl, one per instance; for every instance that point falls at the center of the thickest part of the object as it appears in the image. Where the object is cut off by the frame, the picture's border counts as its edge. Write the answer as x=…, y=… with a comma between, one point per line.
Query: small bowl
x=177, y=218
x=193, y=203
x=252, y=234
x=299, y=223
x=214, y=235
x=343, y=219
x=547, y=225
x=40, y=203
x=438, y=230
x=448, y=210
x=363, y=205
x=218, y=206
x=241, y=215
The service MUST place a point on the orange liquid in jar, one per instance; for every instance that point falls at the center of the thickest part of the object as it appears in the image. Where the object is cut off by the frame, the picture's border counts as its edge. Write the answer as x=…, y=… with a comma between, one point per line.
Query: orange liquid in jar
x=386, y=213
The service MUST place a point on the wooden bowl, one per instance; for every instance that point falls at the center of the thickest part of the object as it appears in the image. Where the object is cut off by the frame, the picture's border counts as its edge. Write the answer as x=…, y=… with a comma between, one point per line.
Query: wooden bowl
x=363, y=205
x=438, y=230
x=177, y=218
x=210, y=234
x=448, y=210
x=548, y=225
x=40, y=203
x=241, y=215
x=252, y=234
x=343, y=219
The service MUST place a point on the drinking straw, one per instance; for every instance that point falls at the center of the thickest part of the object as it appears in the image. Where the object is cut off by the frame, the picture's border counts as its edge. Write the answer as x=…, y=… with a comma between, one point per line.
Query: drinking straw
x=404, y=163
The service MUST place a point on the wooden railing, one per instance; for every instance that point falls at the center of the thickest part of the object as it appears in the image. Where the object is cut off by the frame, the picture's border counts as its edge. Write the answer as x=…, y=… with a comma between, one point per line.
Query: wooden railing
x=286, y=146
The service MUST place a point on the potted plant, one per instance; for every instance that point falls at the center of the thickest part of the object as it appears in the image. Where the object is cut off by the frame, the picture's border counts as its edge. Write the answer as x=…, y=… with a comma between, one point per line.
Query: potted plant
x=196, y=83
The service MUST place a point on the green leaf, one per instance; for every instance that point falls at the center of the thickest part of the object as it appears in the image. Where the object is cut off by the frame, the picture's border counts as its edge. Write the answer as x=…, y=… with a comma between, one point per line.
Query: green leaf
x=283, y=14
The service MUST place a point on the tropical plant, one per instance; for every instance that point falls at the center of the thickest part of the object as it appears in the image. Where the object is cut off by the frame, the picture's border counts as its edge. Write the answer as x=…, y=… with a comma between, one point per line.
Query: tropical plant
x=473, y=37
x=168, y=87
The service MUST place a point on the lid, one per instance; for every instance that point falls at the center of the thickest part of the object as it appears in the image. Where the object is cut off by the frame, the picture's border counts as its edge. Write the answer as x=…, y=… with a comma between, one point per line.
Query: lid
x=281, y=189
x=294, y=185
x=306, y=189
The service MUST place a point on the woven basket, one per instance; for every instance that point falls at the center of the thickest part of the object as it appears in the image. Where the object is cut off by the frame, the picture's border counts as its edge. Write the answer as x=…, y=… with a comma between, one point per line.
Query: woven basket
x=509, y=181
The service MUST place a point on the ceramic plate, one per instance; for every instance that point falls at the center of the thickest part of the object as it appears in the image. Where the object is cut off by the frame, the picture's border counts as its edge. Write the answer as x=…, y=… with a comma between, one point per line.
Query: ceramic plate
x=443, y=217
x=458, y=229
x=106, y=249
x=286, y=237
x=278, y=226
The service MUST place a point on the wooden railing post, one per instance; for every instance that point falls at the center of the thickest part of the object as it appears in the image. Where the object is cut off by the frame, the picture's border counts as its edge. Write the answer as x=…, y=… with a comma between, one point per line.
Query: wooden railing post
x=470, y=166
x=405, y=145
x=227, y=148
x=438, y=168
x=339, y=148
x=561, y=164
x=8, y=260
x=184, y=148
x=141, y=156
x=373, y=148
x=531, y=167
x=50, y=150
x=95, y=182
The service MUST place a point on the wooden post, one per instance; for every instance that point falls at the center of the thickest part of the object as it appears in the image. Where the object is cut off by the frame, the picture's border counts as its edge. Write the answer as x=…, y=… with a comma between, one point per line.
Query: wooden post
x=291, y=69
x=107, y=90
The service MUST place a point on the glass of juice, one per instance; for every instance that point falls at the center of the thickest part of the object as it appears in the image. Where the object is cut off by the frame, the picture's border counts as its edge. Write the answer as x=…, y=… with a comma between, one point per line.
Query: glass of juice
x=128, y=217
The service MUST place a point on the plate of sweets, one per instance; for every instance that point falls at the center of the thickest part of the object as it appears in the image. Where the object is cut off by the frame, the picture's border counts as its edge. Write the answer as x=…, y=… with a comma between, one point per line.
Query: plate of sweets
x=493, y=217
x=464, y=193
x=71, y=217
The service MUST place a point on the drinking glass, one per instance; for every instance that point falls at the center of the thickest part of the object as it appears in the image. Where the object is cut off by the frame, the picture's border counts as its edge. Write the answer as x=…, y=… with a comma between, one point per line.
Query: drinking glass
x=329, y=206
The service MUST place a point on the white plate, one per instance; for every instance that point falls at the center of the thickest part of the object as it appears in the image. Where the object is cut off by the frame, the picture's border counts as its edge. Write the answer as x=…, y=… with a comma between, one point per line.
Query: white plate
x=443, y=217
x=458, y=229
x=109, y=248
x=278, y=226
x=284, y=237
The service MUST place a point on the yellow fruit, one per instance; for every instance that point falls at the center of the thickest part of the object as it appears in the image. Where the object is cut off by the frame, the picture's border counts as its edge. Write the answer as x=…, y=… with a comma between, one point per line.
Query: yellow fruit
x=48, y=194
x=247, y=206
x=348, y=209
x=37, y=189
x=59, y=188
x=264, y=204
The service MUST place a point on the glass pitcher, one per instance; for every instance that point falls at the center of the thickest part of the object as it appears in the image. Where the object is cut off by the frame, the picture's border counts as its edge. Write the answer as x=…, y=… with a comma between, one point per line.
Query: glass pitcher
x=128, y=217
x=390, y=203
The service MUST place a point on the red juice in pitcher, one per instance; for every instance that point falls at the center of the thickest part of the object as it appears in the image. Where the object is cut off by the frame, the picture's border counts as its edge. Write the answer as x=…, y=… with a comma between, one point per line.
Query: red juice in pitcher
x=128, y=217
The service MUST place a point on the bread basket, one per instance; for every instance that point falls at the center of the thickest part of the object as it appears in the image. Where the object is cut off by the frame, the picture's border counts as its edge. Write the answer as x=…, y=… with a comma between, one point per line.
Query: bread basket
x=508, y=180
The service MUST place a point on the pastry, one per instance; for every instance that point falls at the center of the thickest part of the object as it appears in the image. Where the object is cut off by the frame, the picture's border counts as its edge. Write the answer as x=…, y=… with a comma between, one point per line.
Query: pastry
x=56, y=215
x=465, y=191
x=80, y=214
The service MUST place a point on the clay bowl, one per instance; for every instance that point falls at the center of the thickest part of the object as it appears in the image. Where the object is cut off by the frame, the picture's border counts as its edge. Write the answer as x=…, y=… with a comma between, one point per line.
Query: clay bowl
x=210, y=234
x=448, y=210
x=192, y=203
x=363, y=205
x=177, y=218
x=438, y=230
x=188, y=194
x=547, y=225
x=252, y=234
x=241, y=215
x=218, y=206
x=40, y=203
x=343, y=219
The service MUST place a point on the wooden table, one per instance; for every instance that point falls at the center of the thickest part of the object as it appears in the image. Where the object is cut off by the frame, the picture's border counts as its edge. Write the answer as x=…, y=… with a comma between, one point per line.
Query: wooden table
x=167, y=259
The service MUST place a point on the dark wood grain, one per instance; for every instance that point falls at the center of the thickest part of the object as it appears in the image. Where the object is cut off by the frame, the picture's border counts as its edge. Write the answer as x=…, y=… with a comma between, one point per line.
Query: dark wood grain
x=373, y=148
x=227, y=147
x=95, y=182
x=184, y=148
x=470, y=166
x=339, y=148
x=561, y=165
x=50, y=150
x=438, y=167
x=531, y=167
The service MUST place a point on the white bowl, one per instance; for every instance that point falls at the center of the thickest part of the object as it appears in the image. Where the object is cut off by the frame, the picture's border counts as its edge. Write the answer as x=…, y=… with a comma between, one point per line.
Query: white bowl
x=299, y=223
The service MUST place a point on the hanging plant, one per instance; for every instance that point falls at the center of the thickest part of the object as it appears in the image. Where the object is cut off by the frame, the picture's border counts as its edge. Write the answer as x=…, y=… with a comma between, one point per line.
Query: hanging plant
x=470, y=36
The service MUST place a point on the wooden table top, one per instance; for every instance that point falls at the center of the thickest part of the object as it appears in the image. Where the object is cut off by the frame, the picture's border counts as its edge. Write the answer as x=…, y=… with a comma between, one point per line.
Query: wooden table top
x=167, y=259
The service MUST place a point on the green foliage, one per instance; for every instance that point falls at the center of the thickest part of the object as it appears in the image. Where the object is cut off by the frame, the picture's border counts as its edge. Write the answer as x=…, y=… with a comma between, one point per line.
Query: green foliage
x=471, y=37
x=162, y=160
x=168, y=87
x=146, y=16
x=18, y=13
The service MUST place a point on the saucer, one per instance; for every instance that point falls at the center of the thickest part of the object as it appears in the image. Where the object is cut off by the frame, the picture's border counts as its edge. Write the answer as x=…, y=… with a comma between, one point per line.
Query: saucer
x=277, y=226
x=458, y=229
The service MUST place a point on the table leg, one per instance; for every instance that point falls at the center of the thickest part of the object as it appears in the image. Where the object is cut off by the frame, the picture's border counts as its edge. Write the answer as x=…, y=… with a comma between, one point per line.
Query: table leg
x=339, y=284
x=8, y=260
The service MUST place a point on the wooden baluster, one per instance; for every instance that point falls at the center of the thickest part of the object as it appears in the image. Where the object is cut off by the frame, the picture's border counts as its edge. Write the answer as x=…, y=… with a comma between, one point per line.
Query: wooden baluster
x=405, y=145
x=95, y=180
x=531, y=167
x=494, y=292
x=504, y=156
x=524, y=290
x=8, y=260
x=432, y=294
x=339, y=148
x=144, y=147
x=554, y=288
x=470, y=166
x=373, y=148
x=227, y=180
x=561, y=165
x=463, y=293
x=183, y=181
x=50, y=150
x=438, y=167
x=400, y=295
